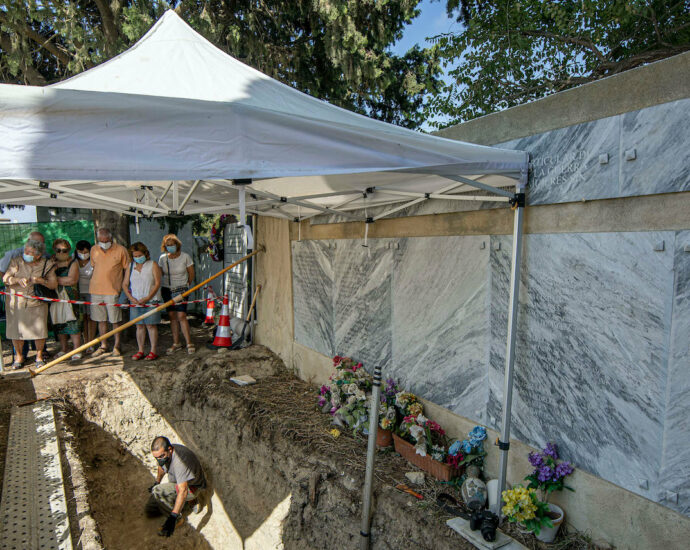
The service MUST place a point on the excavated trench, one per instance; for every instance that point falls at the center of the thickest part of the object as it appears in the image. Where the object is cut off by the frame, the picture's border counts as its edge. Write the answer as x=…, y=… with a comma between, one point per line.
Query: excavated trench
x=279, y=479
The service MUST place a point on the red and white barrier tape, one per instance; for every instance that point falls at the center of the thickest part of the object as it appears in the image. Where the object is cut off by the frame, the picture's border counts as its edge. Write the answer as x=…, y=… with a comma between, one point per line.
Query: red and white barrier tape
x=84, y=303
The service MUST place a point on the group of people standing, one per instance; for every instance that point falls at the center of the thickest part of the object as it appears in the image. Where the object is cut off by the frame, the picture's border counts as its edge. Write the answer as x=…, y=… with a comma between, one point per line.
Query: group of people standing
x=102, y=273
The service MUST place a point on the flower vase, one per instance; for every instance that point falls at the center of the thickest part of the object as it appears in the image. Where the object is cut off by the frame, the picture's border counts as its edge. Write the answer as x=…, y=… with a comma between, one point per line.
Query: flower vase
x=548, y=534
x=384, y=438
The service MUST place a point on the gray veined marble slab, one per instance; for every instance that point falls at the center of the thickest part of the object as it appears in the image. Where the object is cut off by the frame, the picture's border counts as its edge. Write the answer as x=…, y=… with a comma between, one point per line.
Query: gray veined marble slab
x=362, y=301
x=660, y=137
x=592, y=348
x=674, y=476
x=441, y=321
x=312, y=290
x=565, y=162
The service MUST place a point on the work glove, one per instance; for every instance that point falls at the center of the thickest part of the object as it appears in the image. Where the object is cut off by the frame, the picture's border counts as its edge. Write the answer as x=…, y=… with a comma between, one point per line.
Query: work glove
x=152, y=486
x=169, y=526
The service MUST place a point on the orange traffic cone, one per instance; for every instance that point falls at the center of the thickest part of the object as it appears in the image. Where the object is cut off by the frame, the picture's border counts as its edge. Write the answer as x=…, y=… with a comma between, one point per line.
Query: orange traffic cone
x=210, y=304
x=222, y=339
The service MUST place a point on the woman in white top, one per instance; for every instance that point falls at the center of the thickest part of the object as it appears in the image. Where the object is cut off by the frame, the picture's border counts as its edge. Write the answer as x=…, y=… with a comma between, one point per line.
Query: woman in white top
x=82, y=254
x=142, y=285
x=178, y=273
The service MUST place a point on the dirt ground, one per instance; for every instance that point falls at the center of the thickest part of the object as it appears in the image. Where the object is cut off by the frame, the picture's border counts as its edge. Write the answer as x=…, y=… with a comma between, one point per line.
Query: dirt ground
x=265, y=449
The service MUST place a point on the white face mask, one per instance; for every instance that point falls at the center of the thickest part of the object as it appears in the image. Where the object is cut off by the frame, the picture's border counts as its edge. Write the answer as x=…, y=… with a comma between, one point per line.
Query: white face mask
x=105, y=246
x=83, y=256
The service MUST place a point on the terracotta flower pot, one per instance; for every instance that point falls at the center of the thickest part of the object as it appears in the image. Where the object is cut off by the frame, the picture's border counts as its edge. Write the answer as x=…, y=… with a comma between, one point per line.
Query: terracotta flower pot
x=384, y=438
x=440, y=471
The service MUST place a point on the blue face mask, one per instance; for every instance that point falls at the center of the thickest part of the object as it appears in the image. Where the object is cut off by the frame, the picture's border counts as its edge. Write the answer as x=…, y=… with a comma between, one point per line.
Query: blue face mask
x=172, y=249
x=140, y=259
x=28, y=258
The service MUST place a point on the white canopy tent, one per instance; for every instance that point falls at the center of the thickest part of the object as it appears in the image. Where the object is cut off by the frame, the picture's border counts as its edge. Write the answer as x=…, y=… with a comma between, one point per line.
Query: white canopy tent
x=171, y=123
x=174, y=125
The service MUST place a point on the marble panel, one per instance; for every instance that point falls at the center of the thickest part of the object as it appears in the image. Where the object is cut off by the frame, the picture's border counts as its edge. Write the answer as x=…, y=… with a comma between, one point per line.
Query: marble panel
x=592, y=349
x=441, y=321
x=362, y=301
x=565, y=162
x=312, y=290
x=674, y=476
x=659, y=135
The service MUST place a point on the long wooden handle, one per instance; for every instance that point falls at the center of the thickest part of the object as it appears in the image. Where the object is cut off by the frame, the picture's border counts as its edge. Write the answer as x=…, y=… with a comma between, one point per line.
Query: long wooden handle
x=128, y=324
x=251, y=307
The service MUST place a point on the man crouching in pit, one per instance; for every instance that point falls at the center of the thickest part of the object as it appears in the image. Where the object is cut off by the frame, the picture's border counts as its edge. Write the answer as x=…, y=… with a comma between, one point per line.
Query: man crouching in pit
x=186, y=482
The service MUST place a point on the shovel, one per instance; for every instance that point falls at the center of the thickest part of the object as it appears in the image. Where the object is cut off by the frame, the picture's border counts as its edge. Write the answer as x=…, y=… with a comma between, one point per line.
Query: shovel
x=238, y=342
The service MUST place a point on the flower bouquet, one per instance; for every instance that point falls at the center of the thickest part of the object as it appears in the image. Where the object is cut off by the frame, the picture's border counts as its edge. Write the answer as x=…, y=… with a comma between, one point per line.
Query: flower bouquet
x=468, y=451
x=548, y=476
x=522, y=506
x=388, y=417
x=345, y=395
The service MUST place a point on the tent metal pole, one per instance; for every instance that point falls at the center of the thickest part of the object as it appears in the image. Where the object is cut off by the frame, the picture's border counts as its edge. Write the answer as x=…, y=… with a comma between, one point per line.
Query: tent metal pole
x=504, y=441
x=189, y=195
x=371, y=455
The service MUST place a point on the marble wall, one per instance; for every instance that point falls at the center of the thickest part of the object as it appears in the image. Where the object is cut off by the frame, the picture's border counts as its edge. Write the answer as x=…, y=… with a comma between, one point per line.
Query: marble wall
x=602, y=356
x=638, y=153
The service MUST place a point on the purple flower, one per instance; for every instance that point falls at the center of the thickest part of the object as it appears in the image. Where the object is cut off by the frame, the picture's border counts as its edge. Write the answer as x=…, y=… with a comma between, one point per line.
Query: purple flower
x=535, y=459
x=551, y=450
x=324, y=389
x=322, y=401
x=545, y=473
x=564, y=469
x=333, y=410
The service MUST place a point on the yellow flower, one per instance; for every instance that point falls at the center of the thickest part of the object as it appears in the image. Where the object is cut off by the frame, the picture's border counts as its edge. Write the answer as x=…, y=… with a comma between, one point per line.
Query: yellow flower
x=335, y=432
x=416, y=409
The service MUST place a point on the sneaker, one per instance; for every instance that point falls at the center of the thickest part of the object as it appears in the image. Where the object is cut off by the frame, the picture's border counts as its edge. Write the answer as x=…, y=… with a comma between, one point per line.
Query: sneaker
x=76, y=357
x=90, y=350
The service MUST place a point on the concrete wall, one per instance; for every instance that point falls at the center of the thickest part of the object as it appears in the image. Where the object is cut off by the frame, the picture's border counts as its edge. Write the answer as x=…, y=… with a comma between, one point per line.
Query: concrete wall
x=598, y=286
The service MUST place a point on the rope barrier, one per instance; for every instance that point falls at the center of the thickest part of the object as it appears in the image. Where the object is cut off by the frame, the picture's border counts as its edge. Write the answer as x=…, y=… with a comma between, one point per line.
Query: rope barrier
x=85, y=303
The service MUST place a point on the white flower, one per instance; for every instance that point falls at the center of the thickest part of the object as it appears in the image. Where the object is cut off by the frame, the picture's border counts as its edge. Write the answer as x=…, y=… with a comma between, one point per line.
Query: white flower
x=421, y=419
x=351, y=400
x=420, y=447
x=417, y=432
x=360, y=395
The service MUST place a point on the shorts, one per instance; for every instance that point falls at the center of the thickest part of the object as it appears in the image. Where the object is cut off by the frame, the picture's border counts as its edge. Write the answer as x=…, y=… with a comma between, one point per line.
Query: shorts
x=168, y=295
x=154, y=319
x=108, y=313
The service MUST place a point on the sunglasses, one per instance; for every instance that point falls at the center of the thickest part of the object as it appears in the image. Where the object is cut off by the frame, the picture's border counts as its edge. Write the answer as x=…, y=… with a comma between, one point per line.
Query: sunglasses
x=61, y=250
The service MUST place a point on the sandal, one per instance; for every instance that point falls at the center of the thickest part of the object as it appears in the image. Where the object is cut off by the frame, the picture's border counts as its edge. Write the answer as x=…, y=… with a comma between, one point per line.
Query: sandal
x=138, y=355
x=39, y=363
x=172, y=349
x=151, y=357
x=76, y=357
x=191, y=349
x=17, y=365
x=100, y=351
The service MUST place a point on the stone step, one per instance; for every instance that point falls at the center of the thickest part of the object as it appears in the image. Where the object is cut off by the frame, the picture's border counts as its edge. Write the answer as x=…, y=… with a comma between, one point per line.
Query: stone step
x=33, y=510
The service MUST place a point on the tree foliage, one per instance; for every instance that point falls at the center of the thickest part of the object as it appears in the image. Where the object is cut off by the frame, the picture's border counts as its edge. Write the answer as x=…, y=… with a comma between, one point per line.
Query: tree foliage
x=513, y=51
x=338, y=50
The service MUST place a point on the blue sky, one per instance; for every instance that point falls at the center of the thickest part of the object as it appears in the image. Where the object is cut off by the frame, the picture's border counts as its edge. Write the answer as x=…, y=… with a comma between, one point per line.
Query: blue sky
x=431, y=21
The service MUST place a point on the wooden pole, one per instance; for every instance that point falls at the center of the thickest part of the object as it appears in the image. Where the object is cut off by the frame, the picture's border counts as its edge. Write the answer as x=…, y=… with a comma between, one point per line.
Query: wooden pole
x=128, y=324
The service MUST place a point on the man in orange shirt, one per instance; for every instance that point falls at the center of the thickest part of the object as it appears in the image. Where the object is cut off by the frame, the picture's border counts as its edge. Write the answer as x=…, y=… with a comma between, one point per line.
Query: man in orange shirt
x=109, y=260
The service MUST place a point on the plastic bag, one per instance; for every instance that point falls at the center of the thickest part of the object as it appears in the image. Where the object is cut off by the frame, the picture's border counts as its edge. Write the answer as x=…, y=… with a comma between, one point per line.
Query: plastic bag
x=61, y=312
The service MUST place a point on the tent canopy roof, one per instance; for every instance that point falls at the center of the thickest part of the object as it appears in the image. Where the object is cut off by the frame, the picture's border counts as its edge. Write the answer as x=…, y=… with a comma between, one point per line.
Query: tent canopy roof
x=171, y=123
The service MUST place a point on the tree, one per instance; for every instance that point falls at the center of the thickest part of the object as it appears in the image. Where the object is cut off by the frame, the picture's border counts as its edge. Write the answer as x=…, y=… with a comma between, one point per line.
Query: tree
x=337, y=50
x=510, y=52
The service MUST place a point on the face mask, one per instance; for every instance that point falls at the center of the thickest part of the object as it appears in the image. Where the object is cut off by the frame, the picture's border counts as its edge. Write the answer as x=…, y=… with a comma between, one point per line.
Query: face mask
x=105, y=246
x=83, y=256
x=28, y=258
x=163, y=462
x=139, y=259
x=172, y=249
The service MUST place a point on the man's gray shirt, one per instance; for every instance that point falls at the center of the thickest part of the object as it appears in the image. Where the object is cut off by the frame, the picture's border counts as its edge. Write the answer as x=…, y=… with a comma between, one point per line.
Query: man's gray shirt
x=185, y=466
